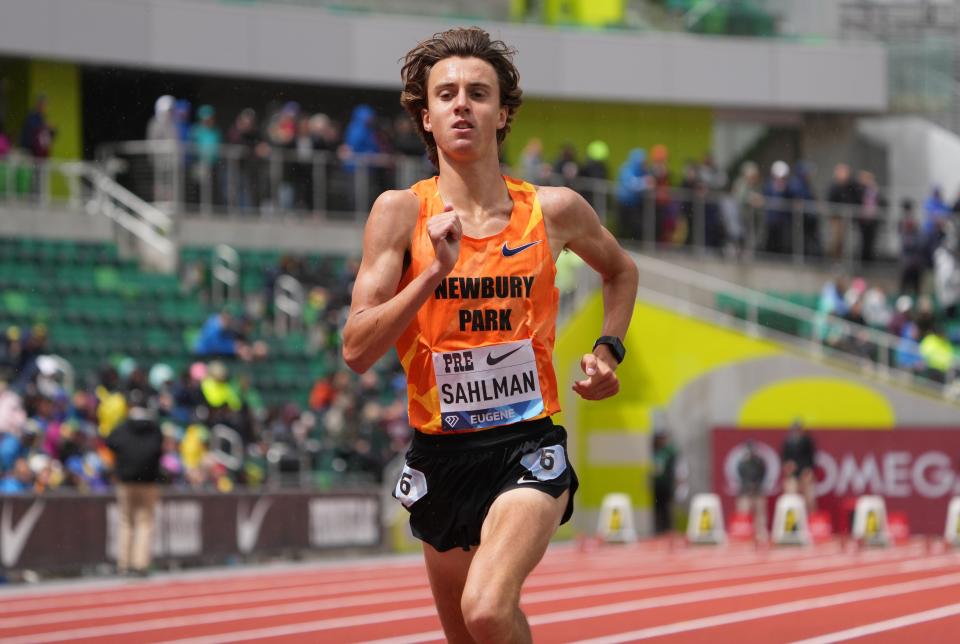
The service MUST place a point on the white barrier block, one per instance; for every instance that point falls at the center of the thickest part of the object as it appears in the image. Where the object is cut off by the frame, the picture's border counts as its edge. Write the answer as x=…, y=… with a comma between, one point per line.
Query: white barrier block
x=870, y=521
x=616, y=519
x=706, y=520
x=790, y=525
x=951, y=533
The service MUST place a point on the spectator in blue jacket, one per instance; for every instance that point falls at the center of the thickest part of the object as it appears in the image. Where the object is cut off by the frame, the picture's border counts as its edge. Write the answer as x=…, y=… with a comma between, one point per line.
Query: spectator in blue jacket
x=632, y=184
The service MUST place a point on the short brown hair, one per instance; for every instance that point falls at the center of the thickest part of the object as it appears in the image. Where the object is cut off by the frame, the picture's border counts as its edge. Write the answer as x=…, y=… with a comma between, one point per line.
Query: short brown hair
x=471, y=42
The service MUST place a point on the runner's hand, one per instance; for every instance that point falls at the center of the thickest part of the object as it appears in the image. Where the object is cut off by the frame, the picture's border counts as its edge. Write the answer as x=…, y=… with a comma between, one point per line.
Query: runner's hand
x=601, y=381
x=445, y=233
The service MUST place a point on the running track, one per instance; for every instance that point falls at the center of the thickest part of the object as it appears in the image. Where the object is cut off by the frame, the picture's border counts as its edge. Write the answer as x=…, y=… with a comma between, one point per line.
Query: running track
x=649, y=591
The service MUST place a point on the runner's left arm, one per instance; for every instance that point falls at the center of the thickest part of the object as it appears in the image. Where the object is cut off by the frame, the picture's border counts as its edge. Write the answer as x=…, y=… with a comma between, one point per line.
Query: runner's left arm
x=572, y=224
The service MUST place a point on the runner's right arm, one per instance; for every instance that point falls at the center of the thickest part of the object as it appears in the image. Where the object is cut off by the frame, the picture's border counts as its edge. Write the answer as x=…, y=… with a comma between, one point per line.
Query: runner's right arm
x=378, y=313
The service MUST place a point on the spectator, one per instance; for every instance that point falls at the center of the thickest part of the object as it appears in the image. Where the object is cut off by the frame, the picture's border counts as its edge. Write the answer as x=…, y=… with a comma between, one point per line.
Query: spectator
x=252, y=161
x=161, y=126
x=4, y=142
x=37, y=135
x=871, y=203
x=532, y=166
x=181, y=119
x=633, y=183
x=939, y=355
x=223, y=336
x=937, y=211
x=593, y=173
x=913, y=260
x=844, y=197
x=946, y=273
x=662, y=183
x=406, y=141
x=747, y=193
x=19, y=480
x=877, y=311
x=752, y=498
x=206, y=139
x=779, y=216
x=907, y=355
x=714, y=178
x=664, y=480
x=301, y=166
x=217, y=337
x=360, y=143
x=360, y=137
x=566, y=168
x=162, y=130
x=801, y=186
x=137, y=444
x=799, y=457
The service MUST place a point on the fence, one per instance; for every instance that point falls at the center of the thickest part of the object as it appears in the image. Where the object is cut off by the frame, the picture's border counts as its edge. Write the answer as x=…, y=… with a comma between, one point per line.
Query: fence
x=239, y=182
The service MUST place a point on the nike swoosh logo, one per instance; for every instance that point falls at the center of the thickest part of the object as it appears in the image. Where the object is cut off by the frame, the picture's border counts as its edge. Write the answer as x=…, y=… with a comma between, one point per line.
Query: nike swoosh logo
x=510, y=252
x=15, y=536
x=492, y=361
x=249, y=523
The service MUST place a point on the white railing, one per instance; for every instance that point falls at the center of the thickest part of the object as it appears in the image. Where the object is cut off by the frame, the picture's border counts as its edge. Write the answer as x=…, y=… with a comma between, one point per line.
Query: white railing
x=870, y=350
x=86, y=186
x=240, y=182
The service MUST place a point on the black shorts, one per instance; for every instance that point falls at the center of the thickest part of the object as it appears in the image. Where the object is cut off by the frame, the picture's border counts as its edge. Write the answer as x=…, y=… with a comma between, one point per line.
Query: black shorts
x=449, y=482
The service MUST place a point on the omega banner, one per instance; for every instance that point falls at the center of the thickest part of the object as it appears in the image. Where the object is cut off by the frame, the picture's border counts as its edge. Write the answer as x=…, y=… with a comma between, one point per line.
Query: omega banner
x=69, y=531
x=917, y=471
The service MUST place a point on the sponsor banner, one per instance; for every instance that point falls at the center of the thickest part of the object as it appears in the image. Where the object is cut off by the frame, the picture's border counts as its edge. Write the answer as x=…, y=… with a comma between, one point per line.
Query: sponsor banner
x=70, y=531
x=917, y=471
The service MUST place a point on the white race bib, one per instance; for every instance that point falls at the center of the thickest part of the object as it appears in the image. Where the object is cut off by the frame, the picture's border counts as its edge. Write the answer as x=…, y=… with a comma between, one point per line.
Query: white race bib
x=487, y=386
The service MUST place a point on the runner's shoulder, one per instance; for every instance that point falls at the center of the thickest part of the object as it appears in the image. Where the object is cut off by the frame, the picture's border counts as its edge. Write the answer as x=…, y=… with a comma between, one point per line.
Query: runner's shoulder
x=394, y=211
x=557, y=201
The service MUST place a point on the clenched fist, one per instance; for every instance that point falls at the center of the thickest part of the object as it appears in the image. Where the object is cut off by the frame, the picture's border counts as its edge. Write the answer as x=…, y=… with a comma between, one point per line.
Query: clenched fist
x=445, y=233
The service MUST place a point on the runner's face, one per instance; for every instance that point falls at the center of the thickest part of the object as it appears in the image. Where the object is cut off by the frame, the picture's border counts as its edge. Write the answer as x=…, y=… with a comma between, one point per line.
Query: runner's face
x=463, y=108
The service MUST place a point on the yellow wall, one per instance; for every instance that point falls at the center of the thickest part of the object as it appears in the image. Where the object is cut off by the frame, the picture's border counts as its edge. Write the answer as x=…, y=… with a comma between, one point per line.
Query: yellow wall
x=686, y=131
x=60, y=82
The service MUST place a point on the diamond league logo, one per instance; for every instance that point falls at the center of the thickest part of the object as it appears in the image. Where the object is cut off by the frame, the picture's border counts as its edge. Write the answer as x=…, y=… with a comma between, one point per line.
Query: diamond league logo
x=451, y=420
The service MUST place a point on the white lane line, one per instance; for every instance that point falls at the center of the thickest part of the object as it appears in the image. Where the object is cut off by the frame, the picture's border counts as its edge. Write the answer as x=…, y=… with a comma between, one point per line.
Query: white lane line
x=147, y=601
x=419, y=589
x=886, y=625
x=695, y=596
x=570, y=615
x=51, y=607
x=776, y=610
x=158, y=588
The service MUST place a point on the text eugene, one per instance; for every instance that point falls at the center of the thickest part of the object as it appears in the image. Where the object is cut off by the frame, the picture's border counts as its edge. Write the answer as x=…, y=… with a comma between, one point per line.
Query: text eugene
x=472, y=288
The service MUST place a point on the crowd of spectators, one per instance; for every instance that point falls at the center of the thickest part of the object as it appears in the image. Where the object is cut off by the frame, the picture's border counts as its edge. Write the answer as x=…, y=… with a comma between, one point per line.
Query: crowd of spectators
x=272, y=160
x=218, y=433
x=776, y=211
x=929, y=337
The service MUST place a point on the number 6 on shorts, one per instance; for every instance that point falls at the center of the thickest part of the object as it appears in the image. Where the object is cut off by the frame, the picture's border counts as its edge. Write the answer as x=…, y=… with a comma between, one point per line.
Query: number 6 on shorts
x=545, y=464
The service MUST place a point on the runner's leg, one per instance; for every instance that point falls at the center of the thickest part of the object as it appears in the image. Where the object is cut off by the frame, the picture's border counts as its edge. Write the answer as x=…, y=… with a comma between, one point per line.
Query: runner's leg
x=513, y=540
x=448, y=574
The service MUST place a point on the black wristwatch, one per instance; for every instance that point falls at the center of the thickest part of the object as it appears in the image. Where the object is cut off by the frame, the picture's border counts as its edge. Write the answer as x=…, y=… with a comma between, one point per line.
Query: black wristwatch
x=614, y=344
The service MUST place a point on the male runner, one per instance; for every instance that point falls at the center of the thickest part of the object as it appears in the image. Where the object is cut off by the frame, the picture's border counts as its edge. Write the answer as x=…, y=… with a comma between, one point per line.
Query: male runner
x=458, y=272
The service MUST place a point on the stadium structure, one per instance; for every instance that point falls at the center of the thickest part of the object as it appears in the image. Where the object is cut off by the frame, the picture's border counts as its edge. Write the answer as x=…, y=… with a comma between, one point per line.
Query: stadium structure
x=172, y=165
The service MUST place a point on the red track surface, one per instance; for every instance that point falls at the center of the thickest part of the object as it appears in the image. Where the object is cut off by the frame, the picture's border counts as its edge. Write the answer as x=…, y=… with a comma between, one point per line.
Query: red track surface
x=649, y=591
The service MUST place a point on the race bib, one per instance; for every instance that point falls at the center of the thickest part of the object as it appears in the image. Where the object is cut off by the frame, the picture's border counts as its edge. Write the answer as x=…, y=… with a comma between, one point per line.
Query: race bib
x=487, y=386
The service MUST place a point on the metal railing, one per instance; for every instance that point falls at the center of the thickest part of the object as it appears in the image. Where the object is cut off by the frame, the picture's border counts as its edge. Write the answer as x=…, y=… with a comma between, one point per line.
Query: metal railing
x=185, y=178
x=819, y=335
x=88, y=187
x=238, y=182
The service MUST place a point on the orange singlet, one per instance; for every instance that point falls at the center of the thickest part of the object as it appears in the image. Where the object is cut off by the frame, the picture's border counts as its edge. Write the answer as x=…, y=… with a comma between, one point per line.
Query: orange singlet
x=478, y=354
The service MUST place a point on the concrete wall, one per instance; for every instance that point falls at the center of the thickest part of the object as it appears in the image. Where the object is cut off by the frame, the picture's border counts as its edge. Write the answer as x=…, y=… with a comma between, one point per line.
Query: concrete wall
x=320, y=46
